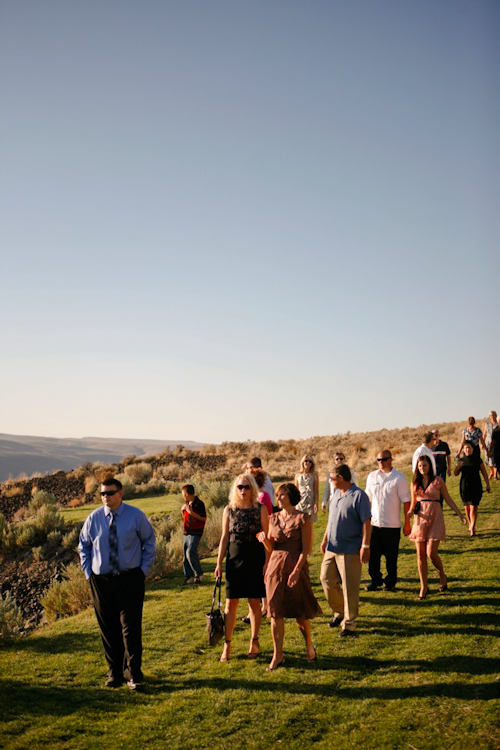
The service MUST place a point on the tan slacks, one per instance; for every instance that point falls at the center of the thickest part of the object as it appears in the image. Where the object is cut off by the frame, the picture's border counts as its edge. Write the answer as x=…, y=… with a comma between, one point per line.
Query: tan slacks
x=343, y=599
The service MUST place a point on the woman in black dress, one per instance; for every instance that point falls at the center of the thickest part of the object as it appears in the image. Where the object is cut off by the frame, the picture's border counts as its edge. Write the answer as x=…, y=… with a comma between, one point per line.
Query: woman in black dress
x=244, y=517
x=471, y=488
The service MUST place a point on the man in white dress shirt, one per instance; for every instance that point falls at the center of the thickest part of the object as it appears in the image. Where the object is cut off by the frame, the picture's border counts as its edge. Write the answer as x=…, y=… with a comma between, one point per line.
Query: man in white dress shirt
x=425, y=450
x=388, y=490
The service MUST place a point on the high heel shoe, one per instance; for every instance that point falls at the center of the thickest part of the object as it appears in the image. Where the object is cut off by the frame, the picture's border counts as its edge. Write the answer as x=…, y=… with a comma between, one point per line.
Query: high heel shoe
x=279, y=664
x=315, y=657
x=252, y=654
x=444, y=586
x=422, y=596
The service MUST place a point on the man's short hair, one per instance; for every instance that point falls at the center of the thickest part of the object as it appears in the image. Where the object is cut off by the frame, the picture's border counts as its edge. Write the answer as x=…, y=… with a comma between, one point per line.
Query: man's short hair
x=111, y=480
x=343, y=471
x=188, y=488
x=428, y=437
x=255, y=462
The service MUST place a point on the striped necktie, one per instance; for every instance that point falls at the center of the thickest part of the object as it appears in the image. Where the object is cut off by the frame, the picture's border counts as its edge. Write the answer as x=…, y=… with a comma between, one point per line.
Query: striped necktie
x=114, y=565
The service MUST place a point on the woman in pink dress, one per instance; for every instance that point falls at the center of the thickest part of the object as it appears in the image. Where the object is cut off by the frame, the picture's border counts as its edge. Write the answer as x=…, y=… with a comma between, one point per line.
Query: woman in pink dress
x=428, y=529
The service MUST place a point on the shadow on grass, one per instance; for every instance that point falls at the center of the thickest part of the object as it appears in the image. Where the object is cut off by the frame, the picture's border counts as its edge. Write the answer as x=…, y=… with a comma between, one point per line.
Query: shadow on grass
x=66, y=643
x=19, y=698
x=484, y=691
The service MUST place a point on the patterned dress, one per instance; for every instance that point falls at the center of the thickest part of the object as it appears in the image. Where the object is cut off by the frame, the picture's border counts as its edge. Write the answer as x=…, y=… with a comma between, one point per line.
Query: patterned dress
x=283, y=601
x=428, y=524
x=308, y=500
x=490, y=428
x=474, y=436
x=246, y=556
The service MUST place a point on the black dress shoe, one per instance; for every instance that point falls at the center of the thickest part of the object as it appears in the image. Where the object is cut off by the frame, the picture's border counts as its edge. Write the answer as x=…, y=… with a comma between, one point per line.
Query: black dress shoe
x=113, y=682
x=335, y=622
x=389, y=588
x=372, y=587
x=348, y=634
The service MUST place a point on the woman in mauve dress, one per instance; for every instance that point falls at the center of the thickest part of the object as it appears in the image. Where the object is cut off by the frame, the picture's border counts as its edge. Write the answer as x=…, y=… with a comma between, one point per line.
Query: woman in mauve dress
x=288, y=588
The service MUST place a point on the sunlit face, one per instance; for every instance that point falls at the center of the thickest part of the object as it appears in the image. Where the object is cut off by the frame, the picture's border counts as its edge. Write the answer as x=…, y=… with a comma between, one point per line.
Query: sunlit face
x=244, y=489
x=423, y=466
x=282, y=499
x=468, y=450
x=384, y=461
x=336, y=480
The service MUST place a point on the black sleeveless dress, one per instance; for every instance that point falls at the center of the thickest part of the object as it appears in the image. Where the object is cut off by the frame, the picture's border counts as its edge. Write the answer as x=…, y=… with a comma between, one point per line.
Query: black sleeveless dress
x=246, y=556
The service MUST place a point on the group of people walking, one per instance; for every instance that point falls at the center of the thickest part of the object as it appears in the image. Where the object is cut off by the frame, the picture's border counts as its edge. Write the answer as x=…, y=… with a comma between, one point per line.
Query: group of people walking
x=267, y=536
x=266, y=554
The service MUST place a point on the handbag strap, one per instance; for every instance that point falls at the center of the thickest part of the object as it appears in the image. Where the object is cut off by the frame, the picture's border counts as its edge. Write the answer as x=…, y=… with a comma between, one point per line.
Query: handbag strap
x=218, y=585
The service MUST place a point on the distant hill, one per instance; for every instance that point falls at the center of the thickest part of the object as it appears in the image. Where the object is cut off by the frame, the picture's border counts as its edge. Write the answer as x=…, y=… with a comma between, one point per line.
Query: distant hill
x=27, y=454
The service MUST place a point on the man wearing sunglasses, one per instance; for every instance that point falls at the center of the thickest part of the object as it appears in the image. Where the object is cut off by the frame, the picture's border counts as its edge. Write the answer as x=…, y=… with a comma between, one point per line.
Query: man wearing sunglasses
x=388, y=490
x=117, y=549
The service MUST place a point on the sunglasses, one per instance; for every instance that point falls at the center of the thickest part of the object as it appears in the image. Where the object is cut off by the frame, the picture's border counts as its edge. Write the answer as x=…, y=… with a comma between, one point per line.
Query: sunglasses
x=381, y=460
x=243, y=486
x=308, y=461
x=109, y=493
x=339, y=458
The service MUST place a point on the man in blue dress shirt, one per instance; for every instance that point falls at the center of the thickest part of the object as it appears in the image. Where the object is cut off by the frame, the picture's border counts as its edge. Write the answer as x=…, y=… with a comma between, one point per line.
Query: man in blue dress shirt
x=117, y=549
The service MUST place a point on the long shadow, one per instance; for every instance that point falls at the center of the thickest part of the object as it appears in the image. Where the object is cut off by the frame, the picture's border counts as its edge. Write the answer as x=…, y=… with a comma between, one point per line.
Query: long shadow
x=55, y=644
x=476, y=692
x=17, y=698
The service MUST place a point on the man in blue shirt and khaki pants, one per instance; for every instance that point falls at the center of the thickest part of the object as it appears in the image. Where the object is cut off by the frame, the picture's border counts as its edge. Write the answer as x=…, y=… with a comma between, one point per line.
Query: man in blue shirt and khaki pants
x=117, y=549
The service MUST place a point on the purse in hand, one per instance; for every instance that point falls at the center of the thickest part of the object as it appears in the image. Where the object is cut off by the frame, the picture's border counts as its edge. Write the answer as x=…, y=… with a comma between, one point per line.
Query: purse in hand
x=215, y=618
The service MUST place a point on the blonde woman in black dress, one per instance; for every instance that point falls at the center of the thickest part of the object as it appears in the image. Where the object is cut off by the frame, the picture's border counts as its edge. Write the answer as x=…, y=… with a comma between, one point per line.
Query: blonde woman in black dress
x=243, y=519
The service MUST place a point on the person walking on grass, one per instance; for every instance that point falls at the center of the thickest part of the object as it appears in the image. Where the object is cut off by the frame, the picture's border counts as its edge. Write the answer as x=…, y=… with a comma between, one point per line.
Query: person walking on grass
x=489, y=428
x=427, y=493
x=442, y=455
x=425, y=450
x=471, y=489
x=338, y=459
x=243, y=519
x=117, y=550
x=388, y=490
x=256, y=463
x=345, y=546
x=194, y=518
x=289, y=592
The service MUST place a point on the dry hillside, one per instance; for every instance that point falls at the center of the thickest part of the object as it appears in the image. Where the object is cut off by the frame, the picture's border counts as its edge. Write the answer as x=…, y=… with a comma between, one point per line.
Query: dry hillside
x=281, y=458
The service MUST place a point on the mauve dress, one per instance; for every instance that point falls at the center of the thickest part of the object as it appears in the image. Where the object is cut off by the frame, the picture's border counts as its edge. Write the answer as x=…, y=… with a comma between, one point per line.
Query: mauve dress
x=283, y=600
x=428, y=524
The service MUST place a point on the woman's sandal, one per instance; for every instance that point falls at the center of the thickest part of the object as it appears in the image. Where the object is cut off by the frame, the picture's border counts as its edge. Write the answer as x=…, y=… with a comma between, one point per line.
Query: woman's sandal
x=226, y=656
x=444, y=586
x=280, y=664
x=315, y=657
x=252, y=654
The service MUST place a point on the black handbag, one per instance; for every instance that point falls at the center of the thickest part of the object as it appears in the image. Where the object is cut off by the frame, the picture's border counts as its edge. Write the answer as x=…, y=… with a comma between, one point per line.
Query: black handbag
x=215, y=618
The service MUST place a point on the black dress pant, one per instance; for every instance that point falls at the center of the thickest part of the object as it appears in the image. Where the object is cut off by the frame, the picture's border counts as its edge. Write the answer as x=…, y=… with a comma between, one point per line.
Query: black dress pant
x=384, y=542
x=118, y=604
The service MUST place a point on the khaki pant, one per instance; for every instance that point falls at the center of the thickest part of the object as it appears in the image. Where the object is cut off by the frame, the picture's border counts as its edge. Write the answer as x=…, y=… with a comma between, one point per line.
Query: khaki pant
x=344, y=600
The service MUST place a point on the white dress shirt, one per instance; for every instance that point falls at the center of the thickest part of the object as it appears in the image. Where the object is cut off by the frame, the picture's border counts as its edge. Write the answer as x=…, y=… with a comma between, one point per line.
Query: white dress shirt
x=387, y=493
x=423, y=450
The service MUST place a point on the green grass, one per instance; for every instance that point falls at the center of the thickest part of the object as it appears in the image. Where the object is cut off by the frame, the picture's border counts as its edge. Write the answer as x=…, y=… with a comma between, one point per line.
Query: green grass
x=150, y=505
x=421, y=675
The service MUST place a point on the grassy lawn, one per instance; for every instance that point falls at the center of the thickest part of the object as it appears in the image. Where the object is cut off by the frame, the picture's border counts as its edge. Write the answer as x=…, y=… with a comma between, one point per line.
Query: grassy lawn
x=150, y=505
x=421, y=675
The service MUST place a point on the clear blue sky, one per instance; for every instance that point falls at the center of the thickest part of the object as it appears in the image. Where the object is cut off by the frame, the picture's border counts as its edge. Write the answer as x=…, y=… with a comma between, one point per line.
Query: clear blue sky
x=248, y=220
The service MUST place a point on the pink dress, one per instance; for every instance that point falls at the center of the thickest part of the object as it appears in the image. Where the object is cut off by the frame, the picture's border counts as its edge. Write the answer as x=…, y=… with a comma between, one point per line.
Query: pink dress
x=428, y=524
x=265, y=499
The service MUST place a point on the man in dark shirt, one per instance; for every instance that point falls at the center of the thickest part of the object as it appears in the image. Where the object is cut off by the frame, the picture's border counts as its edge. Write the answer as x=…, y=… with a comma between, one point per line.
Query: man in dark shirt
x=194, y=519
x=442, y=454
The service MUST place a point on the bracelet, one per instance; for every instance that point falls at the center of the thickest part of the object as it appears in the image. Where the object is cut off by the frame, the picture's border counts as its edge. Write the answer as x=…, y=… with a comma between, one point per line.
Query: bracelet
x=365, y=546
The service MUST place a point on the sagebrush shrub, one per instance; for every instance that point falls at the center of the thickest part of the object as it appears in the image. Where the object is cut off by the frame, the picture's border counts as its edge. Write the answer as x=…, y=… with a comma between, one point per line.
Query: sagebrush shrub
x=139, y=473
x=69, y=596
x=41, y=498
x=11, y=619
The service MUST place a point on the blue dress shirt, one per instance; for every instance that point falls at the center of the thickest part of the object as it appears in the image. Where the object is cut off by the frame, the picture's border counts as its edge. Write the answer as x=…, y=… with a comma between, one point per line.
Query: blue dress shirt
x=136, y=540
x=347, y=514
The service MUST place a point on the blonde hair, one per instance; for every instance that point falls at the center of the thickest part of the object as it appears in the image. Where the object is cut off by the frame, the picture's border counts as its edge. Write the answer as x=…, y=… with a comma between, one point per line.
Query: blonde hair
x=233, y=494
x=302, y=460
